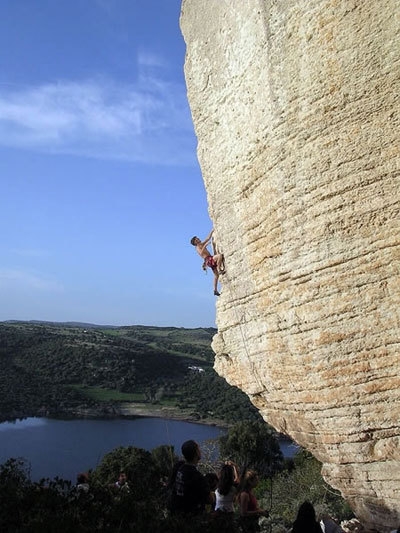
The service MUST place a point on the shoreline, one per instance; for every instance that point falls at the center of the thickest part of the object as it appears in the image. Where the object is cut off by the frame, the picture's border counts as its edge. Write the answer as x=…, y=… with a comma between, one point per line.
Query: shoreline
x=128, y=410
x=134, y=410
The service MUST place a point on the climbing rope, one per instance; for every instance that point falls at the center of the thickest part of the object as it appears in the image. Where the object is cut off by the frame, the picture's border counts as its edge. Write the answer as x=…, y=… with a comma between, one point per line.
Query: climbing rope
x=239, y=320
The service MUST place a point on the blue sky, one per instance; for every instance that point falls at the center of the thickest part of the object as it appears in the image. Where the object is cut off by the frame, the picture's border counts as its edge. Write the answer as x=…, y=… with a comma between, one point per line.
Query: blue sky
x=101, y=190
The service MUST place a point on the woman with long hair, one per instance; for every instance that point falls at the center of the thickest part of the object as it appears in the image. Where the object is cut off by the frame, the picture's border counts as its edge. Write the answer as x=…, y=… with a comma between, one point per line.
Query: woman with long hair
x=227, y=487
x=306, y=521
x=249, y=509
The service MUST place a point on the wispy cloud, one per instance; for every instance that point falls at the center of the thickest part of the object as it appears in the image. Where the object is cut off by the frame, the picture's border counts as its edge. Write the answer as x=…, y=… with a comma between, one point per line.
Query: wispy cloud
x=30, y=252
x=15, y=278
x=149, y=59
x=147, y=122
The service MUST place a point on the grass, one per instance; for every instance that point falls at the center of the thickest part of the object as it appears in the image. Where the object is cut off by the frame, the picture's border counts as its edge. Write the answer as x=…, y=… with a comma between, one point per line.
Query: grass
x=178, y=353
x=112, y=332
x=100, y=394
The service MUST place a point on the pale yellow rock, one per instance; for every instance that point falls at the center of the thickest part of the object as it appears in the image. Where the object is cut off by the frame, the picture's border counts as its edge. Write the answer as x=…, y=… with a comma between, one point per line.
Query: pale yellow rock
x=296, y=109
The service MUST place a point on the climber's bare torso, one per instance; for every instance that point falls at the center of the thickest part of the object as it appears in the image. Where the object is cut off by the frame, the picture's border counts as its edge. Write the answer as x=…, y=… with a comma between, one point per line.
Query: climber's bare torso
x=215, y=262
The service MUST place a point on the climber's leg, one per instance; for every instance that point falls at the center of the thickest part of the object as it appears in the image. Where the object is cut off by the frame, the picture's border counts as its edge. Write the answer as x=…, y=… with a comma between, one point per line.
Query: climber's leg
x=219, y=259
x=216, y=276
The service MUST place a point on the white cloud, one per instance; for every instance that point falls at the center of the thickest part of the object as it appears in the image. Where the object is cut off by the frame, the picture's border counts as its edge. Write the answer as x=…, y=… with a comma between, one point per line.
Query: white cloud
x=147, y=122
x=148, y=59
x=19, y=279
x=30, y=252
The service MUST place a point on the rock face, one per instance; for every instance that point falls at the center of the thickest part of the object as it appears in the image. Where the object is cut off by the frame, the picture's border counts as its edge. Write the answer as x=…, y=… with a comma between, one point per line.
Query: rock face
x=296, y=108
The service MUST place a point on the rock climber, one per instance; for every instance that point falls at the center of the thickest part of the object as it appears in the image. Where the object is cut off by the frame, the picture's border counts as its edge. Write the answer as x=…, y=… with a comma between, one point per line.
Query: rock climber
x=215, y=262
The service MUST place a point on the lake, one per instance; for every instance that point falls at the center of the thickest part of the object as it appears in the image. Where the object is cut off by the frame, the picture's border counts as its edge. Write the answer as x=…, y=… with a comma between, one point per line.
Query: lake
x=63, y=448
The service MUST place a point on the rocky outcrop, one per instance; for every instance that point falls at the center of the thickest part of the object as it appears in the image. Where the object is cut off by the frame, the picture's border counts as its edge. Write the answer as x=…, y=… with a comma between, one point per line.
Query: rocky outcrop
x=296, y=109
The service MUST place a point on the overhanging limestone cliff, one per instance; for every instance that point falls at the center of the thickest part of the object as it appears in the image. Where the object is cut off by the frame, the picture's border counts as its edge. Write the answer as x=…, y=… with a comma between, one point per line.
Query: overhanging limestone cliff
x=296, y=108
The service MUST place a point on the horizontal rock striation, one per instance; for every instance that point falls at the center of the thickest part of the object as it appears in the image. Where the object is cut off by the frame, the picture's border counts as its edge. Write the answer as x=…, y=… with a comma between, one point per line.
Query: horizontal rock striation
x=296, y=109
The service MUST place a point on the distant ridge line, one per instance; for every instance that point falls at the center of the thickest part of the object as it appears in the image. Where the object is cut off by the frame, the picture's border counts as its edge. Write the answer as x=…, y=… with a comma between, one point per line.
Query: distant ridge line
x=89, y=325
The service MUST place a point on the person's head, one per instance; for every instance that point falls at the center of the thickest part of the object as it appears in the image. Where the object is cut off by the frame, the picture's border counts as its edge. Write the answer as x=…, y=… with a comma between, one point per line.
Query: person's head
x=212, y=480
x=249, y=480
x=194, y=241
x=191, y=451
x=306, y=513
x=122, y=478
x=226, y=478
x=82, y=478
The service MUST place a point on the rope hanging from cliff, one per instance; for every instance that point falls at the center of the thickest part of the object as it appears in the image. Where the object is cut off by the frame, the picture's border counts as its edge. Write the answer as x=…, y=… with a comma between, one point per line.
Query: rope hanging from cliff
x=216, y=250
x=242, y=334
x=260, y=385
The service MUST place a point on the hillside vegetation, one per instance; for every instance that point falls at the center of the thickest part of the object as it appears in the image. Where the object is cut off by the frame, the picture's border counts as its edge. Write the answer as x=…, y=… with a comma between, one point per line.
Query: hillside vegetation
x=63, y=369
x=58, y=369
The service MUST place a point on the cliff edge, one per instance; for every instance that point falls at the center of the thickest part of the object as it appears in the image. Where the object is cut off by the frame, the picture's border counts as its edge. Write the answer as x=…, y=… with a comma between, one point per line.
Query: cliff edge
x=296, y=109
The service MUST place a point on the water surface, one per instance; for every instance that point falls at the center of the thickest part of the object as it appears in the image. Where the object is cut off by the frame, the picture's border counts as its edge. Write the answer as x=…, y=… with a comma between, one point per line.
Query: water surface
x=65, y=447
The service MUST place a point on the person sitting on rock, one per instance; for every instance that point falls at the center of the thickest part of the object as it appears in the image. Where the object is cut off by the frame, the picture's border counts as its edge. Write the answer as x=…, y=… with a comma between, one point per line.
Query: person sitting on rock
x=215, y=262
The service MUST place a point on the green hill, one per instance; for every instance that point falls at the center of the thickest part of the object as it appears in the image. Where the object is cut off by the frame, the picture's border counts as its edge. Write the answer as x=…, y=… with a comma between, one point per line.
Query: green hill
x=65, y=368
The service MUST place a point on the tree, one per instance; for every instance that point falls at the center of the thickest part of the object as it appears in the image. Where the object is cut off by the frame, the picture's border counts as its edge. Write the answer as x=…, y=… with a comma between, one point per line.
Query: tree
x=138, y=465
x=304, y=482
x=252, y=445
x=164, y=459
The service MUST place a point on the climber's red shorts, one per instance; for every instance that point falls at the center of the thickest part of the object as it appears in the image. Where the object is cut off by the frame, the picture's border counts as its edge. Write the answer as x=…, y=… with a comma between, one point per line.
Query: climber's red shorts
x=210, y=262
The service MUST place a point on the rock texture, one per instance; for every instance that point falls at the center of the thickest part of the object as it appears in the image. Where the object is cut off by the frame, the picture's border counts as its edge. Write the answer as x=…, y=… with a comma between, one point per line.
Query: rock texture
x=296, y=108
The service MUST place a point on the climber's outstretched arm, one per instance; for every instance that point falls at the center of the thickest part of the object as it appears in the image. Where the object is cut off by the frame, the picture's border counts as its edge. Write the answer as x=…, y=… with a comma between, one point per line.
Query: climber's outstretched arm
x=208, y=238
x=204, y=243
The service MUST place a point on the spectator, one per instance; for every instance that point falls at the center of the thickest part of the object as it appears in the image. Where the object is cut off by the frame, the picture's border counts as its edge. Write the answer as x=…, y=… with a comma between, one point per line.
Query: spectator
x=190, y=492
x=250, y=512
x=122, y=482
x=227, y=488
x=82, y=483
x=306, y=521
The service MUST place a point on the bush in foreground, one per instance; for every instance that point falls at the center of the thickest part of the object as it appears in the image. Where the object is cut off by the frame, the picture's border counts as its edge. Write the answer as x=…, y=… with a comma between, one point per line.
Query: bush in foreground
x=56, y=506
